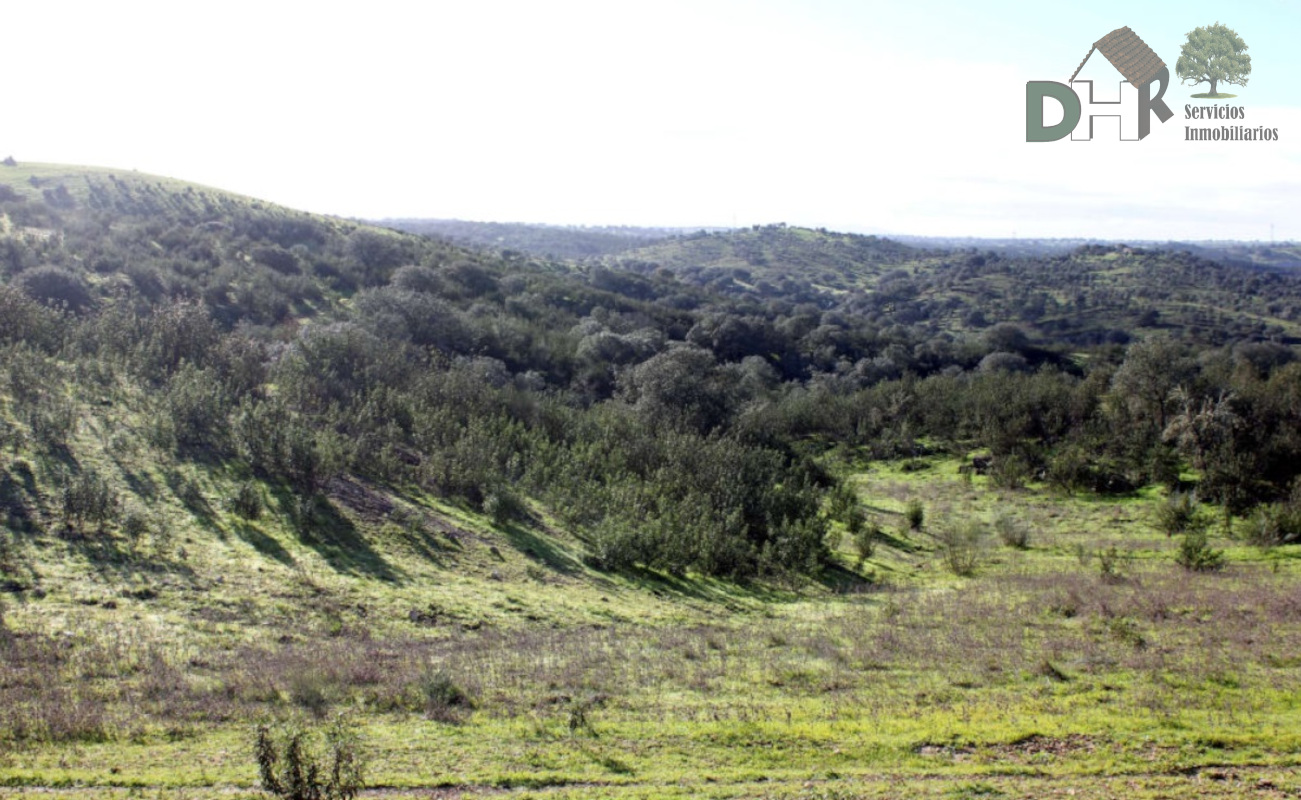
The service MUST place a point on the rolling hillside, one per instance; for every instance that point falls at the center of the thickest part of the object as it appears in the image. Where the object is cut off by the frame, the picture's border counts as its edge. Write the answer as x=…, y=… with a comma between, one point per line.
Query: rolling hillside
x=773, y=512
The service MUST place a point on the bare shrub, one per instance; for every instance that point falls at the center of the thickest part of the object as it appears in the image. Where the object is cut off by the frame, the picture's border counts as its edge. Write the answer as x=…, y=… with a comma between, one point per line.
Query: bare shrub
x=1011, y=531
x=300, y=767
x=961, y=545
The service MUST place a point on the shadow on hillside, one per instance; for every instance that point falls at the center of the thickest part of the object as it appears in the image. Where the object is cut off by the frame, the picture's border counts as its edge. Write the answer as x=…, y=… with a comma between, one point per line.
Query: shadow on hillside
x=191, y=496
x=263, y=543
x=18, y=499
x=896, y=542
x=332, y=535
x=539, y=549
x=715, y=592
x=837, y=578
x=429, y=545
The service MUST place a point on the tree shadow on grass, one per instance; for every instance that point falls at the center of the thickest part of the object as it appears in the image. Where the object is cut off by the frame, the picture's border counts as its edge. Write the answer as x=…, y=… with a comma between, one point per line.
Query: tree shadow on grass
x=334, y=536
x=263, y=543
x=191, y=496
x=540, y=549
x=841, y=580
x=896, y=542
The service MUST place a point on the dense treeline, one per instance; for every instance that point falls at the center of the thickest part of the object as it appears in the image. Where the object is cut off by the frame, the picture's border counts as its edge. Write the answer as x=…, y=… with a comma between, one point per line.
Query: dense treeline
x=664, y=420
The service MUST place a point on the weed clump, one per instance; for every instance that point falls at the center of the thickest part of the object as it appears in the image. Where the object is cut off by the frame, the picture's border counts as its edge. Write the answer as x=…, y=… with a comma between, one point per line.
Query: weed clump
x=1109, y=565
x=298, y=768
x=443, y=699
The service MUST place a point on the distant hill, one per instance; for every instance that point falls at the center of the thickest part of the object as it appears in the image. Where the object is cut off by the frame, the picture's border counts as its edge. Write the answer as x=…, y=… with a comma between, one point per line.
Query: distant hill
x=550, y=241
x=1086, y=294
x=1283, y=255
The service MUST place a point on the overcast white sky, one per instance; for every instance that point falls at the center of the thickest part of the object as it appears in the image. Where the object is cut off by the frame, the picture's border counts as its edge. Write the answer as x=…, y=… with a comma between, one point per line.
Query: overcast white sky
x=900, y=118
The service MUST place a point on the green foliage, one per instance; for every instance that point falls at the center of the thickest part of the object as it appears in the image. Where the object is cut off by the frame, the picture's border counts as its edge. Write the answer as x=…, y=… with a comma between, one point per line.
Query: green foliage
x=89, y=498
x=1274, y=524
x=914, y=514
x=1109, y=565
x=56, y=287
x=136, y=525
x=864, y=533
x=1196, y=554
x=504, y=506
x=247, y=501
x=1213, y=54
x=310, y=765
x=1180, y=513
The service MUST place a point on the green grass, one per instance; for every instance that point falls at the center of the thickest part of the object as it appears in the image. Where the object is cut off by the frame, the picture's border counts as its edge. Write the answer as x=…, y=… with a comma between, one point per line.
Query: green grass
x=75, y=178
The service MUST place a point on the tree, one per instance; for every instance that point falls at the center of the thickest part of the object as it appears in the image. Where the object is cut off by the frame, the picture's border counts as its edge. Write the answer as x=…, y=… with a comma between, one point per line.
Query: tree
x=1213, y=54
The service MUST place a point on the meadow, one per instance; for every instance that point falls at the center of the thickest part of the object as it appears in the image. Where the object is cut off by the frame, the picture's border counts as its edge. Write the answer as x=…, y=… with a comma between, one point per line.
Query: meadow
x=1078, y=658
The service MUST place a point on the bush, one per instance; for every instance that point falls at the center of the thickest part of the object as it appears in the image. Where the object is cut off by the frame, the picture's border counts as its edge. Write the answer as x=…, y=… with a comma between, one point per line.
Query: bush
x=1180, y=513
x=247, y=502
x=504, y=506
x=864, y=533
x=1010, y=531
x=443, y=700
x=1275, y=524
x=88, y=498
x=56, y=287
x=1196, y=555
x=961, y=546
x=313, y=690
x=135, y=526
x=295, y=770
x=915, y=515
x=1009, y=472
x=1109, y=565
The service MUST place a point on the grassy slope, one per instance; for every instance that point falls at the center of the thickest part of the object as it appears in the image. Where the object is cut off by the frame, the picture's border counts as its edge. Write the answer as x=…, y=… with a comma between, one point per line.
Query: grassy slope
x=76, y=179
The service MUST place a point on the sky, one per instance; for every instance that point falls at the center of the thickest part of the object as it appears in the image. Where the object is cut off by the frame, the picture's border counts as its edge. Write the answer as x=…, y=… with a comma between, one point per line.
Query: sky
x=874, y=117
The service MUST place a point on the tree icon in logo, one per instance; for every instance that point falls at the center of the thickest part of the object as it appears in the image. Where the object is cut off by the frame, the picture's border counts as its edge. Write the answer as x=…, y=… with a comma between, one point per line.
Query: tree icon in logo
x=1214, y=54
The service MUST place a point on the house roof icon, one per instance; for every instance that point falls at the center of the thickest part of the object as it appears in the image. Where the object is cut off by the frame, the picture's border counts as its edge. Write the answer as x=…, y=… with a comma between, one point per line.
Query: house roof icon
x=1130, y=55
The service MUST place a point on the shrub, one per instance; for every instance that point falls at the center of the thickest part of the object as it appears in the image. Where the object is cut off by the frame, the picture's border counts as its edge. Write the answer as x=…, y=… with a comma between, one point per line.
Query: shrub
x=1180, y=514
x=915, y=515
x=864, y=533
x=135, y=526
x=1109, y=565
x=1009, y=472
x=1010, y=531
x=294, y=769
x=504, y=506
x=961, y=546
x=443, y=700
x=1275, y=524
x=1196, y=555
x=56, y=287
x=89, y=498
x=311, y=689
x=247, y=502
